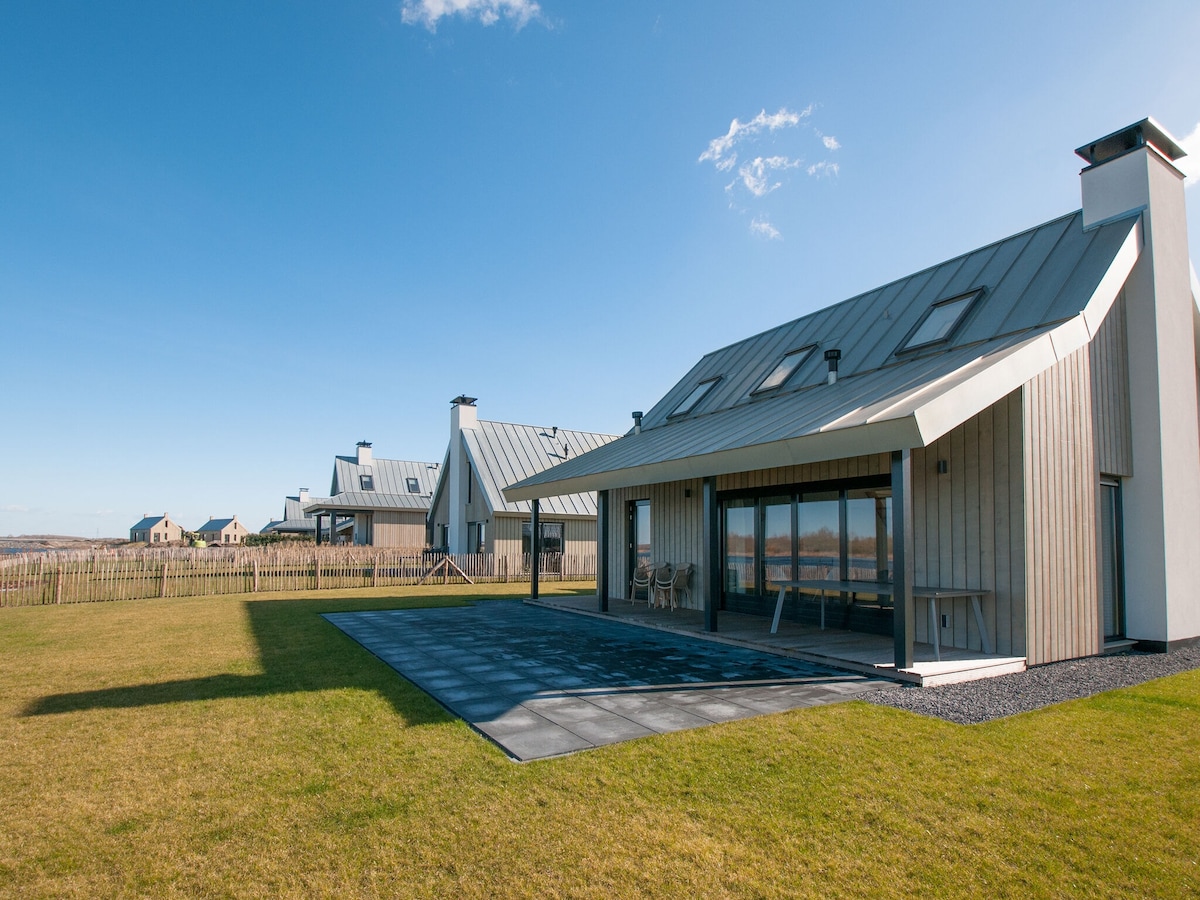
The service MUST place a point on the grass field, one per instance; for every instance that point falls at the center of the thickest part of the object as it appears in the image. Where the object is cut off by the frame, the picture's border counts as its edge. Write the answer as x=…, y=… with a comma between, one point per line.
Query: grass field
x=243, y=747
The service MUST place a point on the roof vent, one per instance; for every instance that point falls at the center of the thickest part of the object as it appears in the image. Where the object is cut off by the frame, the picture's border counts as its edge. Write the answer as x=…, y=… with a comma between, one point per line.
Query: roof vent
x=637, y=421
x=832, y=357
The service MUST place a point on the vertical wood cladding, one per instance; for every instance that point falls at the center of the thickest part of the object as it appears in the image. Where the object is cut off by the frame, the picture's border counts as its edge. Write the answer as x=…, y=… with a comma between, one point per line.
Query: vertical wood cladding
x=1110, y=394
x=401, y=528
x=968, y=526
x=1061, y=483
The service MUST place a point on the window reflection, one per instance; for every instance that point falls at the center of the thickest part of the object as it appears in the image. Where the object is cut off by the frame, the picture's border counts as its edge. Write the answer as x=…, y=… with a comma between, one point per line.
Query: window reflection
x=739, y=546
x=818, y=543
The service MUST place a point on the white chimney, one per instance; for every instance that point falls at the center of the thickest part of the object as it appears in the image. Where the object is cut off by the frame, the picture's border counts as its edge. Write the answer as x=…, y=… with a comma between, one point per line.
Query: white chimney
x=303, y=495
x=463, y=416
x=363, y=457
x=1132, y=172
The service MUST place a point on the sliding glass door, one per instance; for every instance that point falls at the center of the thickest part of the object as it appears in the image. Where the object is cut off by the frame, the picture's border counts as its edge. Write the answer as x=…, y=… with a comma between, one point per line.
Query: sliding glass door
x=833, y=532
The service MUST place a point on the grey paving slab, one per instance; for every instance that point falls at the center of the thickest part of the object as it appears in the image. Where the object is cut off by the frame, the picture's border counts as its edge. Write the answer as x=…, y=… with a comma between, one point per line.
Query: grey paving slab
x=541, y=682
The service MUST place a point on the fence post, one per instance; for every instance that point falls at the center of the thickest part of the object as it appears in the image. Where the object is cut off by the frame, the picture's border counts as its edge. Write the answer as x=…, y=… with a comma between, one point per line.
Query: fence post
x=317, y=570
x=375, y=572
x=162, y=587
x=58, y=575
x=256, y=575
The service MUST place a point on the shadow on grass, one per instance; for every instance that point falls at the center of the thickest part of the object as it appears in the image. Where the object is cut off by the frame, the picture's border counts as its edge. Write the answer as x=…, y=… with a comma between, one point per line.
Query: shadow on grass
x=298, y=650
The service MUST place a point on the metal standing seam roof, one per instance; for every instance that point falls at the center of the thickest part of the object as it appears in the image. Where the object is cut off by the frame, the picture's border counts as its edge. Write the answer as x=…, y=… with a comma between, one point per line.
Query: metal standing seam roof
x=147, y=523
x=217, y=525
x=295, y=519
x=390, y=476
x=369, y=500
x=1045, y=292
x=502, y=452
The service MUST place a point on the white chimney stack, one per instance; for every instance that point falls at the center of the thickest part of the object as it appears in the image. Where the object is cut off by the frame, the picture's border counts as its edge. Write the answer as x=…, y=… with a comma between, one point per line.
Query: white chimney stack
x=463, y=416
x=363, y=457
x=303, y=495
x=1133, y=172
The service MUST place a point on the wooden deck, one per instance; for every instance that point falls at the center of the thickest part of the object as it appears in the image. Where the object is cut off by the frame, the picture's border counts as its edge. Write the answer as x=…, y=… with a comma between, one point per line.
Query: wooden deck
x=868, y=653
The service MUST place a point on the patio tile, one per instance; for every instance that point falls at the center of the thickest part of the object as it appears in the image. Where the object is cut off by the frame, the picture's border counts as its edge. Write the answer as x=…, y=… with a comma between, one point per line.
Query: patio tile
x=541, y=683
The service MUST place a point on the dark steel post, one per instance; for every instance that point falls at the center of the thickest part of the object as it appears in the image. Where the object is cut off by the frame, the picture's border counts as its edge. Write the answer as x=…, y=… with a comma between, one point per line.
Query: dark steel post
x=602, y=548
x=903, y=622
x=712, y=555
x=534, y=551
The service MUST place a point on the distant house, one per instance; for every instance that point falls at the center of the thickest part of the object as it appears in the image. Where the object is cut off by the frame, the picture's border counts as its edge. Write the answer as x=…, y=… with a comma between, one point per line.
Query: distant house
x=1017, y=426
x=376, y=502
x=222, y=531
x=295, y=520
x=469, y=513
x=155, y=530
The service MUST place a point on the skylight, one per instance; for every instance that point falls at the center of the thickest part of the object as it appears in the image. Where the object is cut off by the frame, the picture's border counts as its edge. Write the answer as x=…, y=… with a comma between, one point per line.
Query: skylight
x=787, y=367
x=413, y=485
x=699, y=392
x=366, y=482
x=940, y=321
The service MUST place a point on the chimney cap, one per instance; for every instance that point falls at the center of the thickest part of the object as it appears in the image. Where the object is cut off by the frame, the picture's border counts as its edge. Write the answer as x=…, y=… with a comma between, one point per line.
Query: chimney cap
x=463, y=400
x=833, y=355
x=1120, y=142
x=363, y=444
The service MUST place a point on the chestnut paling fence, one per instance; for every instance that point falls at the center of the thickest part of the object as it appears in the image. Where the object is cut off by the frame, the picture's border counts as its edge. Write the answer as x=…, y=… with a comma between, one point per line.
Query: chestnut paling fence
x=35, y=579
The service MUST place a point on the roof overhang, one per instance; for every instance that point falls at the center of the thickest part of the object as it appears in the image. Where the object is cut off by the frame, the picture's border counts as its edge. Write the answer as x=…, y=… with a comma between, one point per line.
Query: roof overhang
x=912, y=417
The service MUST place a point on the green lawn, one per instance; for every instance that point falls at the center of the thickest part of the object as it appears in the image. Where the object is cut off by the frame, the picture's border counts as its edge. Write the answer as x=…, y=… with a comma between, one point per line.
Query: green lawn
x=243, y=747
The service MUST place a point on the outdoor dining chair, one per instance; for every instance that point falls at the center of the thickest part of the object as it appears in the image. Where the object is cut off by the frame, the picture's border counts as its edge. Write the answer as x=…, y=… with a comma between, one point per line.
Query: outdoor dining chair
x=675, y=585
x=642, y=577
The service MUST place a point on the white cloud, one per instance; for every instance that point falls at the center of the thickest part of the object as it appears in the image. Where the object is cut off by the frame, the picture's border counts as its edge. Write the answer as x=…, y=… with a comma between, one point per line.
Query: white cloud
x=754, y=173
x=1190, y=164
x=488, y=12
x=739, y=131
x=14, y=508
x=763, y=228
x=762, y=174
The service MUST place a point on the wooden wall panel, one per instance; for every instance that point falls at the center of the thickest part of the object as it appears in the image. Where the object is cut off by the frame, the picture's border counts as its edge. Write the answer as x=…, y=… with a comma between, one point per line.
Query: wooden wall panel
x=398, y=529
x=1110, y=394
x=964, y=534
x=1061, y=483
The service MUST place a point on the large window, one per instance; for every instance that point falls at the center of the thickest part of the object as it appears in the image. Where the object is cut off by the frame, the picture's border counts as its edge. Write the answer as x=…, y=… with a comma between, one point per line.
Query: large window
x=823, y=532
x=550, y=541
x=740, y=546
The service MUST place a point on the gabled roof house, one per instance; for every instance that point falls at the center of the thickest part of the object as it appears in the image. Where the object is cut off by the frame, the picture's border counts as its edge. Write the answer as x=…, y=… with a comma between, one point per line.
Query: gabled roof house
x=1001, y=453
x=222, y=531
x=469, y=513
x=382, y=502
x=295, y=520
x=155, y=530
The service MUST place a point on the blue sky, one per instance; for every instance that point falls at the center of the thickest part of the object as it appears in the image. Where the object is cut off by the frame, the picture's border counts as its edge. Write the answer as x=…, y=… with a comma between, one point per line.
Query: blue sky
x=237, y=238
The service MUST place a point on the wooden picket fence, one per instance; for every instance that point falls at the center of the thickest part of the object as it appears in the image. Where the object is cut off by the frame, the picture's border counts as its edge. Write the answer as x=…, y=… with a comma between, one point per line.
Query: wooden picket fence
x=36, y=579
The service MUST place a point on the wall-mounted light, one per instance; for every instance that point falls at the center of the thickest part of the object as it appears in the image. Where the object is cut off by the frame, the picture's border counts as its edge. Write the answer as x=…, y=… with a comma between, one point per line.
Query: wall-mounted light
x=687, y=493
x=943, y=466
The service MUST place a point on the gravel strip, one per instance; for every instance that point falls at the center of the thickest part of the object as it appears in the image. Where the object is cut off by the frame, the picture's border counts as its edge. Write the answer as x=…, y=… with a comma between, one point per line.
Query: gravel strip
x=973, y=702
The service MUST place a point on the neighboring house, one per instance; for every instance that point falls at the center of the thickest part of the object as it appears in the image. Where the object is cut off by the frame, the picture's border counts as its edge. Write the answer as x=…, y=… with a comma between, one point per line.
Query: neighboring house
x=469, y=513
x=222, y=531
x=377, y=502
x=155, y=530
x=1020, y=420
x=295, y=520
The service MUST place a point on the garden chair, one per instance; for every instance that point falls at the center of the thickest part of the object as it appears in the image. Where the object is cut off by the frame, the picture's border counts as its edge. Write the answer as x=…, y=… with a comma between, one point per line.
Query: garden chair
x=677, y=586
x=642, y=577
x=662, y=583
